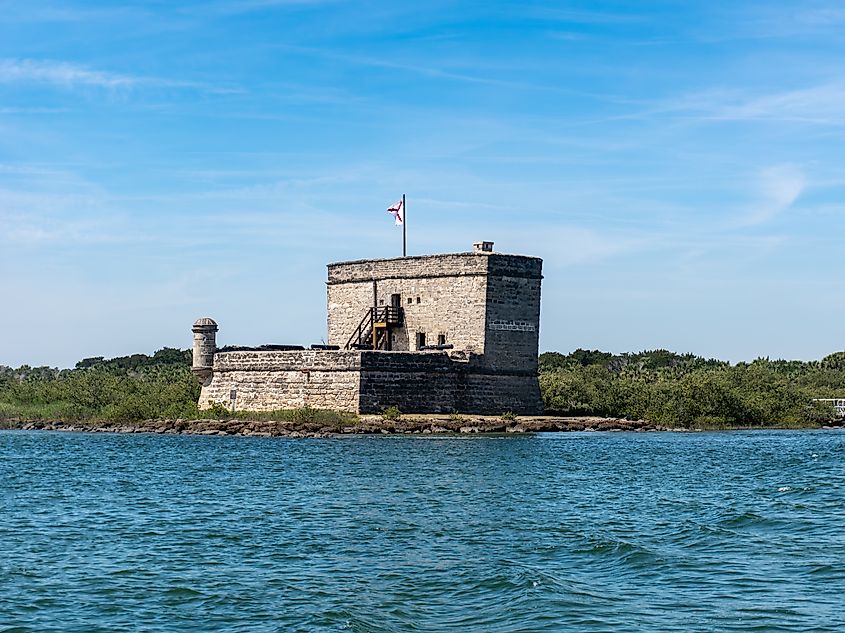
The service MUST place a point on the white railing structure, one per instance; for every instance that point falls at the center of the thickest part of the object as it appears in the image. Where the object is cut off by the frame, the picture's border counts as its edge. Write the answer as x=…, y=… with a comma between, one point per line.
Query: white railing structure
x=838, y=404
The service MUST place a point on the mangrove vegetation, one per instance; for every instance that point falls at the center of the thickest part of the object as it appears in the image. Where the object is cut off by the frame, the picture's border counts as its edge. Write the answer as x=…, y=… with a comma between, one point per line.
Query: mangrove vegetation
x=689, y=391
x=676, y=390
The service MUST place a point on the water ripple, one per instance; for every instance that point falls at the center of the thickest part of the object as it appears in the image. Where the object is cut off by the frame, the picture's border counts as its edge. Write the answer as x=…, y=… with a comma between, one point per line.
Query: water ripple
x=559, y=532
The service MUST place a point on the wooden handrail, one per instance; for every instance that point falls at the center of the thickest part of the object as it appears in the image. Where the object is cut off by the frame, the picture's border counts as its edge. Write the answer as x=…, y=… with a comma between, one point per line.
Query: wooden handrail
x=389, y=315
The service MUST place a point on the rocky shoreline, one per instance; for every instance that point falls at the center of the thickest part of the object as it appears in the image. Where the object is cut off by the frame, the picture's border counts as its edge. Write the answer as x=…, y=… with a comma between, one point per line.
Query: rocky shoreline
x=410, y=424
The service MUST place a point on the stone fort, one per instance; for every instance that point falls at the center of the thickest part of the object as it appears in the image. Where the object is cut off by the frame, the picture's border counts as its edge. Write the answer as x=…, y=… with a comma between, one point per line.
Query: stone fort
x=427, y=334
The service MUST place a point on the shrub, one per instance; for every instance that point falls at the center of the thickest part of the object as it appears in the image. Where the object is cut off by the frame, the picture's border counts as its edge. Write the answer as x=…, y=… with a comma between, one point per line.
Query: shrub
x=217, y=411
x=391, y=414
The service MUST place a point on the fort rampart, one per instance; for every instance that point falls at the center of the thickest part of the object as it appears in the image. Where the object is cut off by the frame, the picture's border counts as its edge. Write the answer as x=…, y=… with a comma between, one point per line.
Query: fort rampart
x=367, y=382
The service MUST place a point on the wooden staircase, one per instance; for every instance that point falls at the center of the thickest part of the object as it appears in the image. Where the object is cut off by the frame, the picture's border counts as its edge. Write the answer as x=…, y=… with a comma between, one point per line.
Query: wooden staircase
x=373, y=332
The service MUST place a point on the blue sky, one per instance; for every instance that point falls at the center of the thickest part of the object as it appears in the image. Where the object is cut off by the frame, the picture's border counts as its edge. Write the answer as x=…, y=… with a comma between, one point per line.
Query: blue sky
x=678, y=165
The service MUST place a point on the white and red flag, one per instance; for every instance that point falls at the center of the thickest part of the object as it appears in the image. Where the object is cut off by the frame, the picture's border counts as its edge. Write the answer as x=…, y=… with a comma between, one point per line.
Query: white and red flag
x=397, y=210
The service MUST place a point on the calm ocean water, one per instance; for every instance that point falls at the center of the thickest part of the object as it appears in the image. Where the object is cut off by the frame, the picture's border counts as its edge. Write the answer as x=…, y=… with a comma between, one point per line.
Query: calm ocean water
x=560, y=532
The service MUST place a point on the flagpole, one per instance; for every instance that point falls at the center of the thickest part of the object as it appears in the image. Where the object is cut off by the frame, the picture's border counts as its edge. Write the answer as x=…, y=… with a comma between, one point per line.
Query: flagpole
x=404, y=227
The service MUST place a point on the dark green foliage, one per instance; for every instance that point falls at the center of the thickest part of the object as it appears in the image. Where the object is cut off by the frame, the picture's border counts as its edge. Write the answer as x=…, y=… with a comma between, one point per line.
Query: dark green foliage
x=391, y=414
x=580, y=357
x=835, y=361
x=128, y=388
x=137, y=362
x=686, y=390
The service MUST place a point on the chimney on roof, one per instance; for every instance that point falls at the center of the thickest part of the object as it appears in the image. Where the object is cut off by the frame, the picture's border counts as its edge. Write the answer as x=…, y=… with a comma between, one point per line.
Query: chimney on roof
x=482, y=247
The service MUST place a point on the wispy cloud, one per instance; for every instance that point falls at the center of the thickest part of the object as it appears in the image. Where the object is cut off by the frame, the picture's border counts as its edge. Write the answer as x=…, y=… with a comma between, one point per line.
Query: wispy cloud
x=779, y=187
x=29, y=231
x=246, y=6
x=57, y=73
x=32, y=110
x=583, y=245
x=820, y=104
x=823, y=103
x=570, y=16
x=589, y=246
x=22, y=11
x=799, y=18
x=70, y=75
x=440, y=71
x=822, y=16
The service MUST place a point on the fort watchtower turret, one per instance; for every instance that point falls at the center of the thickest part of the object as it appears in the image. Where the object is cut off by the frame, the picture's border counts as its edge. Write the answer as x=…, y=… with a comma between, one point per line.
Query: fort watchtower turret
x=205, y=344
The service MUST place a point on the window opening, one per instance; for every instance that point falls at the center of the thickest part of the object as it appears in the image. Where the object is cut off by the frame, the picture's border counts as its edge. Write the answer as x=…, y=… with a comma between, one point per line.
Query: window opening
x=420, y=340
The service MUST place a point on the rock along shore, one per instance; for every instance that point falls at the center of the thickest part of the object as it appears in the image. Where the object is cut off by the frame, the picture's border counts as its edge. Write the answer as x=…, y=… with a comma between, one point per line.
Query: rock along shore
x=407, y=424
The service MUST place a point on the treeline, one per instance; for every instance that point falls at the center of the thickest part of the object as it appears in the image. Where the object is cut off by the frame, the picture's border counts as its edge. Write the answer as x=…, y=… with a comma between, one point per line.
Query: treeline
x=687, y=390
x=659, y=386
x=135, y=387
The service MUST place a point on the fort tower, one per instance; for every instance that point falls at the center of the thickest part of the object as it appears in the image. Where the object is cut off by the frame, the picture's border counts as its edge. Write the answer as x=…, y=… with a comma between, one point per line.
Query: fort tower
x=480, y=302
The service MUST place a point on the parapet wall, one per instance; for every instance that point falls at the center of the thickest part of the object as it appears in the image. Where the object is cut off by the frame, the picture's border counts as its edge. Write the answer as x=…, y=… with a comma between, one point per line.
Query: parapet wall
x=288, y=360
x=266, y=381
x=367, y=382
x=420, y=267
x=499, y=265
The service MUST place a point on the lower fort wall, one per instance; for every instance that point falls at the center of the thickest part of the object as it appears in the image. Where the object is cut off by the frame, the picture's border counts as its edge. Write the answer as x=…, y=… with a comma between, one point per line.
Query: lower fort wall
x=366, y=382
x=266, y=381
x=492, y=394
x=413, y=382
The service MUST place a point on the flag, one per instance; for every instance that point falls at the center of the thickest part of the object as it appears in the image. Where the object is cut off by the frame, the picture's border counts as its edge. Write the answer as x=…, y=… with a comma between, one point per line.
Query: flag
x=397, y=210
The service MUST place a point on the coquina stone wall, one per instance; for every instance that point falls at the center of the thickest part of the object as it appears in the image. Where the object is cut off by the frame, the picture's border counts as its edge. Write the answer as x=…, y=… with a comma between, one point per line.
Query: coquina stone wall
x=427, y=382
x=494, y=394
x=479, y=302
x=441, y=295
x=265, y=381
x=435, y=383
x=512, y=336
x=366, y=382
